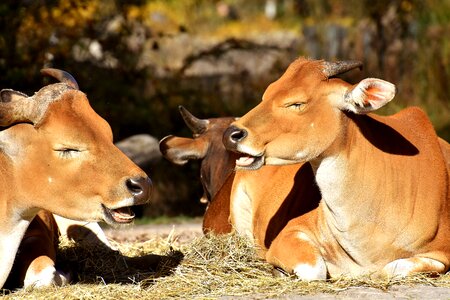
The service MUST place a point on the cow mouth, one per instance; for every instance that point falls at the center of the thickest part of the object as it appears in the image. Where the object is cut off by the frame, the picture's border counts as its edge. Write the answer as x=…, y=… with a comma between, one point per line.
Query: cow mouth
x=247, y=162
x=121, y=215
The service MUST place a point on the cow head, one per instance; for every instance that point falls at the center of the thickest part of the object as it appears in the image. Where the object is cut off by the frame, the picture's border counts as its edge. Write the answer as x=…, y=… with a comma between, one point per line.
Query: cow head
x=301, y=114
x=206, y=145
x=58, y=154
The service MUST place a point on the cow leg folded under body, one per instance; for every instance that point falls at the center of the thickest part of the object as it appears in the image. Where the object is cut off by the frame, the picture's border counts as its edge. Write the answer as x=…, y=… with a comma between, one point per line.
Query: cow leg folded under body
x=295, y=253
x=407, y=266
x=34, y=264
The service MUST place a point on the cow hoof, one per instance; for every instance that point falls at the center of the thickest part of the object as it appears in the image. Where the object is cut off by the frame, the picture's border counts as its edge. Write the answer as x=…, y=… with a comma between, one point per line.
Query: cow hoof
x=279, y=272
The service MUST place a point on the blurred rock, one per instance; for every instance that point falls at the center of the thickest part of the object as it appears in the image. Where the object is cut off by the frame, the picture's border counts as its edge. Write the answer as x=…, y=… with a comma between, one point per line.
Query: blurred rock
x=142, y=149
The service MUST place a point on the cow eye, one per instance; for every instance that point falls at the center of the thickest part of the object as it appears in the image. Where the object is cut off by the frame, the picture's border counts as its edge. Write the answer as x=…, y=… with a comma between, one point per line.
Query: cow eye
x=68, y=152
x=297, y=106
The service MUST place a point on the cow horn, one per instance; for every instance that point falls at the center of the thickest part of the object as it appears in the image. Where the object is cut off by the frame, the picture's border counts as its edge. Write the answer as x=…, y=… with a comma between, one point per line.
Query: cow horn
x=334, y=68
x=15, y=107
x=62, y=76
x=197, y=126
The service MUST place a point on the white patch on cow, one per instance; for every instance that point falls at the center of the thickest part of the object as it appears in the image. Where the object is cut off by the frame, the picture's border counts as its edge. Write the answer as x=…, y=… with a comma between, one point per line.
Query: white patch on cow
x=330, y=175
x=46, y=277
x=305, y=271
x=50, y=180
x=311, y=125
x=241, y=211
x=301, y=155
x=405, y=266
x=303, y=236
x=311, y=272
x=8, y=145
x=9, y=243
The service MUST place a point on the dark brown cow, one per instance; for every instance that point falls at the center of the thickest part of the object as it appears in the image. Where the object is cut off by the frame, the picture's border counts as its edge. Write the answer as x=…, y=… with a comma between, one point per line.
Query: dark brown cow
x=384, y=181
x=217, y=165
x=58, y=155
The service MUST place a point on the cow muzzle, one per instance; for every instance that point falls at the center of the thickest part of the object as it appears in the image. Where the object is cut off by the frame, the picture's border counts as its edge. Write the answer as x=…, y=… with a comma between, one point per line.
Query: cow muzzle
x=232, y=139
x=140, y=189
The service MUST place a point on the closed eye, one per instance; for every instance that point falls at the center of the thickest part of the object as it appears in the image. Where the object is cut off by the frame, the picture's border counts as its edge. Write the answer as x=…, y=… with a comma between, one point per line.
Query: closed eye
x=296, y=106
x=68, y=152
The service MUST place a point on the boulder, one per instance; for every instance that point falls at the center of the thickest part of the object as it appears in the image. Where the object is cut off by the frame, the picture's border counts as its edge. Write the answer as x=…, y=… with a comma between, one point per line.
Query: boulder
x=142, y=149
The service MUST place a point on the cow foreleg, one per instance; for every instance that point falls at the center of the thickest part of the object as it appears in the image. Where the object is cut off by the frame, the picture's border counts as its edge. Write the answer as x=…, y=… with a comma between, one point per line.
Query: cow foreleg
x=407, y=266
x=42, y=272
x=35, y=261
x=35, y=264
x=295, y=253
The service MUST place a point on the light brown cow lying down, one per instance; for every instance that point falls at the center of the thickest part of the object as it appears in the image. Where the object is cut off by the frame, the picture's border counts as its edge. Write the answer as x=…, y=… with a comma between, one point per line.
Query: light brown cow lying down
x=274, y=195
x=57, y=154
x=384, y=181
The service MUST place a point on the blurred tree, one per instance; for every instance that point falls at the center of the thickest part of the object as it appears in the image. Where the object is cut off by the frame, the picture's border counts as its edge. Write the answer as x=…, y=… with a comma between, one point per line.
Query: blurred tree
x=138, y=60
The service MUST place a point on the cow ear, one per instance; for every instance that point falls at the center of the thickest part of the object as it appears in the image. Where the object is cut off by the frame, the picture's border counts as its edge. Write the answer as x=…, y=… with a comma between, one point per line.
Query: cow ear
x=180, y=150
x=368, y=95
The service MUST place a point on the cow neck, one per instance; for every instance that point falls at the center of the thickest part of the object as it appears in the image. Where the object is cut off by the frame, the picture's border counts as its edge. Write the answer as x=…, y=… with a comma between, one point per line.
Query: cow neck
x=217, y=173
x=338, y=179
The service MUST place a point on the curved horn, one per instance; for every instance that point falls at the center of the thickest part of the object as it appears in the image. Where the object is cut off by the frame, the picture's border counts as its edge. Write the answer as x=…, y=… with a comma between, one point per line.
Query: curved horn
x=197, y=126
x=15, y=107
x=62, y=76
x=334, y=68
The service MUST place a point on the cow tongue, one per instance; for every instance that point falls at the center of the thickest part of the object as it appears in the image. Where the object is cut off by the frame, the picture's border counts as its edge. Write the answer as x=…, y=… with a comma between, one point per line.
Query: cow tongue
x=244, y=161
x=122, y=214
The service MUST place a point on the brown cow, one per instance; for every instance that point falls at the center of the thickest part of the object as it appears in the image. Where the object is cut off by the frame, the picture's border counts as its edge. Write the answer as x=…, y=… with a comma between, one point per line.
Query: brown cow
x=58, y=155
x=383, y=180
x=259, y=213
x=217, y=166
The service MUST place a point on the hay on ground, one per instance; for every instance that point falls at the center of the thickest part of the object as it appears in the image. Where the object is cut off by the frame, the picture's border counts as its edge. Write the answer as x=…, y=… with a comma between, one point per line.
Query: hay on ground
x=206, y=268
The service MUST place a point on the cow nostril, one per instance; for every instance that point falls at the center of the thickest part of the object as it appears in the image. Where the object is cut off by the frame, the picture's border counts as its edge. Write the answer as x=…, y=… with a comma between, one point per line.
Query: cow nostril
x=139, y=187
x=238, y=135
x=232, y=136
x=134, y=186
x=235, y=134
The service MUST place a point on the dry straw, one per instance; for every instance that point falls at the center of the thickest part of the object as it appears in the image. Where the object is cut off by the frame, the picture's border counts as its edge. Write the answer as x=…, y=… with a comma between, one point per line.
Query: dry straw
x=205, y=268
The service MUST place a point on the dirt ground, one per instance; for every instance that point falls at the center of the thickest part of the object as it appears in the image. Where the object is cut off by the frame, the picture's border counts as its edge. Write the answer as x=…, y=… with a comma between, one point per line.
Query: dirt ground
x=186, y=232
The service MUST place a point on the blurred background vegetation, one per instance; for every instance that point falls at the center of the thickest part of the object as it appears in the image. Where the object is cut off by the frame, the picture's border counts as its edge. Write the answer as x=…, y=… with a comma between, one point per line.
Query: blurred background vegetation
x=138, y=60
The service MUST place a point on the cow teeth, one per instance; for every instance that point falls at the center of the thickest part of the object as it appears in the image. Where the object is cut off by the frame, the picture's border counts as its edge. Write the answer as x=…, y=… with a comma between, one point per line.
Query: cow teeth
x=123, y=213
x=245, y=161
